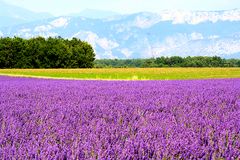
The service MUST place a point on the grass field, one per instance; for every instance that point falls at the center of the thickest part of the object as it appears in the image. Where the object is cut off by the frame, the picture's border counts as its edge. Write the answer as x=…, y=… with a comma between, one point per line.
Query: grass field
x=127, y=73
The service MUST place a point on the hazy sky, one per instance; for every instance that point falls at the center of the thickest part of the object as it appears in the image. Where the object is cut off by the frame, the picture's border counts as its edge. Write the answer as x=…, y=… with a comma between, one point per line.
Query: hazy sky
x=61, y=7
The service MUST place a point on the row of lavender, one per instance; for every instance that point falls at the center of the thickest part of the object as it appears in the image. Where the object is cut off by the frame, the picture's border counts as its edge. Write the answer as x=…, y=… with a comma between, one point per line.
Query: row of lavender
x=61, y=119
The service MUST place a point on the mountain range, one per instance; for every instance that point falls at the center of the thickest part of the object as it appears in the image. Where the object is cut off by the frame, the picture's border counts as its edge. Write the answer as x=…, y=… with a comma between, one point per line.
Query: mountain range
x=138, y=35
x=11, y=15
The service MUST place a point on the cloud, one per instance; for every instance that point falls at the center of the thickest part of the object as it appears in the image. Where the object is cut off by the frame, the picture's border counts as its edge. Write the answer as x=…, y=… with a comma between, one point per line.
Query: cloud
x=60, y=22
x=196, y=17
x=146, y=20
x=42, y=28
x=23, y=30
x=223, y=47
x=106, y=44
x=189, y=45
x=127, y=53
x=196, y=36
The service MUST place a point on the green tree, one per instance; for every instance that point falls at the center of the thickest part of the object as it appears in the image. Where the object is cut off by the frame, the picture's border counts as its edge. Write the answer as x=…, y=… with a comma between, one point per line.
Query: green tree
x=39, y=52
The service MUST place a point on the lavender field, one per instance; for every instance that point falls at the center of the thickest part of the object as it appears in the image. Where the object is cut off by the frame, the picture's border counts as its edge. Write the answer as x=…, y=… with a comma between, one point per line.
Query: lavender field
x=67, y=119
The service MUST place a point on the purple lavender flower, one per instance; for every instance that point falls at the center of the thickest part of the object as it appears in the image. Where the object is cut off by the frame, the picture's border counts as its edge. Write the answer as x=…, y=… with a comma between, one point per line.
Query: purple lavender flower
x=68, y=119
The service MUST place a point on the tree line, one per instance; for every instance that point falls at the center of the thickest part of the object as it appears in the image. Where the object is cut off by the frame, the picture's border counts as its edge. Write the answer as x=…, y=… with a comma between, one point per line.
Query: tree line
x=175, y=61
x=45, y=53
x=57, y=52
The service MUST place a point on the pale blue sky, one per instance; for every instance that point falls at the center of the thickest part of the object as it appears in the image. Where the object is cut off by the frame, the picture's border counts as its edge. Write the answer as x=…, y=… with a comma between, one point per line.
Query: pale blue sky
x=61, y=7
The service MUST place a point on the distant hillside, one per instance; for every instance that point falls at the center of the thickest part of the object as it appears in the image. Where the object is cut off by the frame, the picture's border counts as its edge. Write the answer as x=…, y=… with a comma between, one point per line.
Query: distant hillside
x=145, y=35
x=12, y=15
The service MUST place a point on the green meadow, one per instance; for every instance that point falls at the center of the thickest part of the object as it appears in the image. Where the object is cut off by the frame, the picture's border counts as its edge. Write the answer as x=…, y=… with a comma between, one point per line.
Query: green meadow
x=127, y=73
